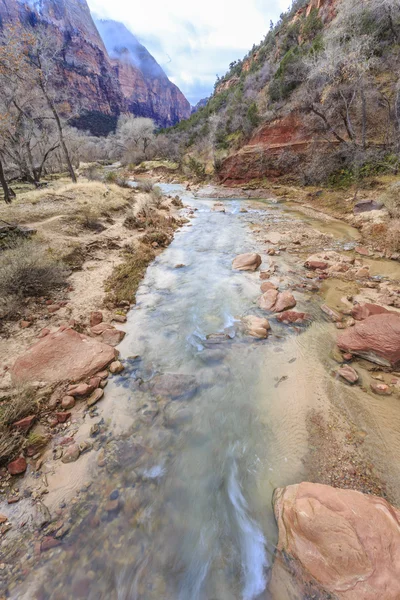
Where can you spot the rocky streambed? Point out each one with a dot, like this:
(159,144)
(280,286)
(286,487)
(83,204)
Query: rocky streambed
(232,387)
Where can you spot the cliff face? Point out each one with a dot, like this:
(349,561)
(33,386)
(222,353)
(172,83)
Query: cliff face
(145,86)
(87,81)
(89,78)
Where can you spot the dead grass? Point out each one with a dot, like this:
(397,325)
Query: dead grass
(125,280)
(27,271)
(68,199)
(21,403)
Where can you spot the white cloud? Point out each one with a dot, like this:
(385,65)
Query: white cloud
(194,40)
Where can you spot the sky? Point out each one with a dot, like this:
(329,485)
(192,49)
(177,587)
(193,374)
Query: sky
(194,40)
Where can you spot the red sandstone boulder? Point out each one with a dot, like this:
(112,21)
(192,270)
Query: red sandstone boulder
(348,373)
(267,285)
(26,423)
(96,318)
(62,356)
(380,388)
(340,543)
(113,337)
(267,301)
(17,466)
(362,311)
(377,339)
(256,326)
(247,262)
(291,317)
(284,301)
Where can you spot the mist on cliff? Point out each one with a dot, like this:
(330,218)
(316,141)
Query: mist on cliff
(122,44)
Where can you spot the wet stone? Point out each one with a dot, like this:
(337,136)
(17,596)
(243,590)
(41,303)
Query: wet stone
(71,454)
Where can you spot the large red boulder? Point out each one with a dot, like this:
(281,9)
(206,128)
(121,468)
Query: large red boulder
(62,356)
(377,339)
(362,311)
(337,543)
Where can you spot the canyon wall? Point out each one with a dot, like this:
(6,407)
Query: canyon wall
(90,81)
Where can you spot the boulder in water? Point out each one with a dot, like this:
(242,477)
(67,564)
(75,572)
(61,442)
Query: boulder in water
(335,543)
(377,339)
(257,327)
(247,262)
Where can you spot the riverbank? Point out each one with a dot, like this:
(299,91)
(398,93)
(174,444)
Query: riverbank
(201,403)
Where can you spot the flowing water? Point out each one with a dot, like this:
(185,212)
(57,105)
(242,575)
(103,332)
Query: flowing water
(201,429)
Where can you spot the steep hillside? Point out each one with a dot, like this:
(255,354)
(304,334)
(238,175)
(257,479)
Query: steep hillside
(92,87)
(145,86)
(317,99)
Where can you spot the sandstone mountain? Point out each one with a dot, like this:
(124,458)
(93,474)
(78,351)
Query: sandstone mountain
(317,100)
(145,87)
(95,87)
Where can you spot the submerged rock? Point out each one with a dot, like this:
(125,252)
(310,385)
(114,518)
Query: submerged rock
(335,543)
(285,301)
(377,339)
(256,326)
(247,262)
(293,317)
(173,385)
(62,356)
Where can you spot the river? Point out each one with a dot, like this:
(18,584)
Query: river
(199,428)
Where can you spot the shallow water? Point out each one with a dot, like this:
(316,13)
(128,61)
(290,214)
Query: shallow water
(201,430)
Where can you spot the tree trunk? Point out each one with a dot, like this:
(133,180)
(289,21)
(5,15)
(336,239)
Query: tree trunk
(9,194)
(60,133)
(364,118)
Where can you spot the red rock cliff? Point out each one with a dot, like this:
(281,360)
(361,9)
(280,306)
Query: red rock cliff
(89,79)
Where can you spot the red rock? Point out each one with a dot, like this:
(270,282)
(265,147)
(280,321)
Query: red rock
(267,285)
(17,466)
(95,318)
(66,441)
(44,332)
(62,356)
(112,505)
(62,417)
(347,356)
(3,519)
(267,301)
(285,301)
(54,308)
(291,316)
(348,373)
(316,264)
(81,390)
(362,250)
(26,423)
(377,339)
(362,273)
(342,543)
(102,374)
(113,337)
(25,324)
(101,328)
(13,499)
(265,275)
(68,402)
(48,543)
(362,311)
(380,388)
(94,382)
(247,262)
(332,313)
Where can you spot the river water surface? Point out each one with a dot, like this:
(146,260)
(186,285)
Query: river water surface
(202,428)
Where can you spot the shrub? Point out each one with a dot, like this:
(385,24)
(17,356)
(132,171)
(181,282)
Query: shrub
(146,186)
(28,270)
